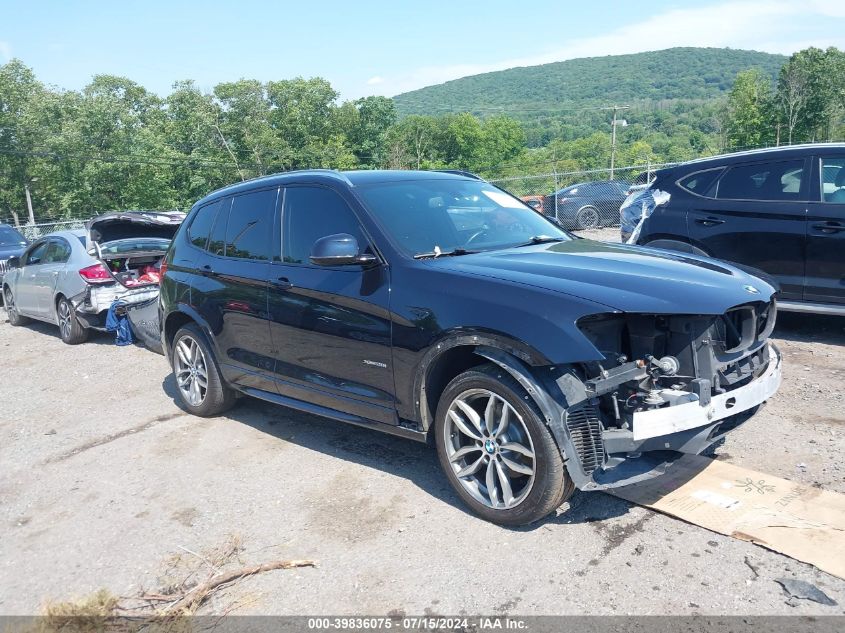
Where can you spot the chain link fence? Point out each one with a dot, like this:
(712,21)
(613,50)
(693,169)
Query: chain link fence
(580,200)
(34,231)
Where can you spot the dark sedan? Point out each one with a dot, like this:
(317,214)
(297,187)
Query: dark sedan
(588,205)
(12,244)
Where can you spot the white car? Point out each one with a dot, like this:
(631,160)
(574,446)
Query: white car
(71,278)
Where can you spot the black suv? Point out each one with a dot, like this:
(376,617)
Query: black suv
(437,307)
(779,210)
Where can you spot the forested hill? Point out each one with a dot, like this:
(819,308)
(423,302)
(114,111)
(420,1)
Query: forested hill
(675,74)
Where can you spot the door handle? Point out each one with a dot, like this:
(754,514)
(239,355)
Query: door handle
(829,227)
(709,221)
(207,270)
(282,283)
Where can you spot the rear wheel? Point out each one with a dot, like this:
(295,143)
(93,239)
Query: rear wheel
(496,450)
(70,329)
(11,310)
(201,387)
(588,218)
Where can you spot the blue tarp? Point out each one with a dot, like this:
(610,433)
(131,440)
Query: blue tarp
(119,324)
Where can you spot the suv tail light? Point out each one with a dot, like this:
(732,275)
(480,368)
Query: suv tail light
(96,274)
(163,267)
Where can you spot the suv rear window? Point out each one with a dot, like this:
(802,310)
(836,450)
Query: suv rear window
(781,180)
(701,182)
(200,227)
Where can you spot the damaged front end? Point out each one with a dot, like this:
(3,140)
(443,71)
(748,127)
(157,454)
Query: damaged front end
(668,384)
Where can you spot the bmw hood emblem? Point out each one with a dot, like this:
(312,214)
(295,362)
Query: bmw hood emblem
(752,290)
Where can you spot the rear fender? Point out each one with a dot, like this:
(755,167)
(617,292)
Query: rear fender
(183,310)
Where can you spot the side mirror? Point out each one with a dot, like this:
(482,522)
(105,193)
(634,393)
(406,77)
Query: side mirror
(339,250)
(14,262)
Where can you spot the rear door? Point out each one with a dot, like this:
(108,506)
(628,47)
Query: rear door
(26,297)
(330,325)
(231,293)
(756,216)
(53,263)
(826,232)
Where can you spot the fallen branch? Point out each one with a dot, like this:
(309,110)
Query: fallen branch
(195,596)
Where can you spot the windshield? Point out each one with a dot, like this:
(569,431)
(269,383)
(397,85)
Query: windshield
(442,216)
(129,245)
(10,237)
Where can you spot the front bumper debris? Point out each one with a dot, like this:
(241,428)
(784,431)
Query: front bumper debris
(686,412)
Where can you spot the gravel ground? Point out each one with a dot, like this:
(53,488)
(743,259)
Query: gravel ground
(103,478)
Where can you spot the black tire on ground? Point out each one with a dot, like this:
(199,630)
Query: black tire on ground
(70,329)
(218,397)
(588,218)
(11,312)
(551,483)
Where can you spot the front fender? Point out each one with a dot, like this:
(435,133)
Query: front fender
(555,391)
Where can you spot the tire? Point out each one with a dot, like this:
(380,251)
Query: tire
(588,218)
(461,436)
(70,329)
(190,351)
(11,312)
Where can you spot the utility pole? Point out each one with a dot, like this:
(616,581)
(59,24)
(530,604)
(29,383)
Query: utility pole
(29,204)
(613,136)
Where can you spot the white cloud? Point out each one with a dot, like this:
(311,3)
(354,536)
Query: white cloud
(5,51)
(374,81)
(745,24)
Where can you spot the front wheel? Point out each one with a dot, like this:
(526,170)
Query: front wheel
(12,313)
(496,450)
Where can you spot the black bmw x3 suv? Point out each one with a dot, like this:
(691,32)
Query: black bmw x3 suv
(437,307)
(779,210)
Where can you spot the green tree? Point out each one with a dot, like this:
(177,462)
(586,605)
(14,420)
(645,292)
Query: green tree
(750,110)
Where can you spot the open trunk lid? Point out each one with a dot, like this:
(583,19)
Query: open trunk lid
(122,225)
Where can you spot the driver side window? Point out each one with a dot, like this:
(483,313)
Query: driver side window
(311,213)
(36,254)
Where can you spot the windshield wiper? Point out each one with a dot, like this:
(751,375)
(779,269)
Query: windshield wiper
(438,253)
(541,239)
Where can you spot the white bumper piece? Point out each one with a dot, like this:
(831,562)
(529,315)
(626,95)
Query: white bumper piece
(684,411)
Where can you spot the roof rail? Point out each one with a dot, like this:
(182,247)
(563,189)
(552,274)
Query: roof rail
(460,172)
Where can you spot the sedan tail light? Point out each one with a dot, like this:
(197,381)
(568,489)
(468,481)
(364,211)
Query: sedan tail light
(96,274)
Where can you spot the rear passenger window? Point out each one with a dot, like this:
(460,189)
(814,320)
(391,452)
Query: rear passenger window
(701,182)
(311,213)
(200,227)
(250,228)
(58,252)
(217,240)
(764,181)
(833,179)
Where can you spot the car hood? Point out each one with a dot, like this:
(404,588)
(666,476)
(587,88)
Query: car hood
(622,277)
(132,224)
(7,251)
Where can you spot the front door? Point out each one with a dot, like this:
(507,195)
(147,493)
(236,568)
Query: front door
(231,294)
(330,326)
(26,297)
(826,234)
(757,218)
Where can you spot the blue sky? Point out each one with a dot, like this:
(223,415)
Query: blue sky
(368,47)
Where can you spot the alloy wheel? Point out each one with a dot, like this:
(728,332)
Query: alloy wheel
(191,371)
(9,300)
(65,317)
(489,449)
(588,218)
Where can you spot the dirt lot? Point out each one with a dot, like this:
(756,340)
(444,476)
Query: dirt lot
(103,478)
